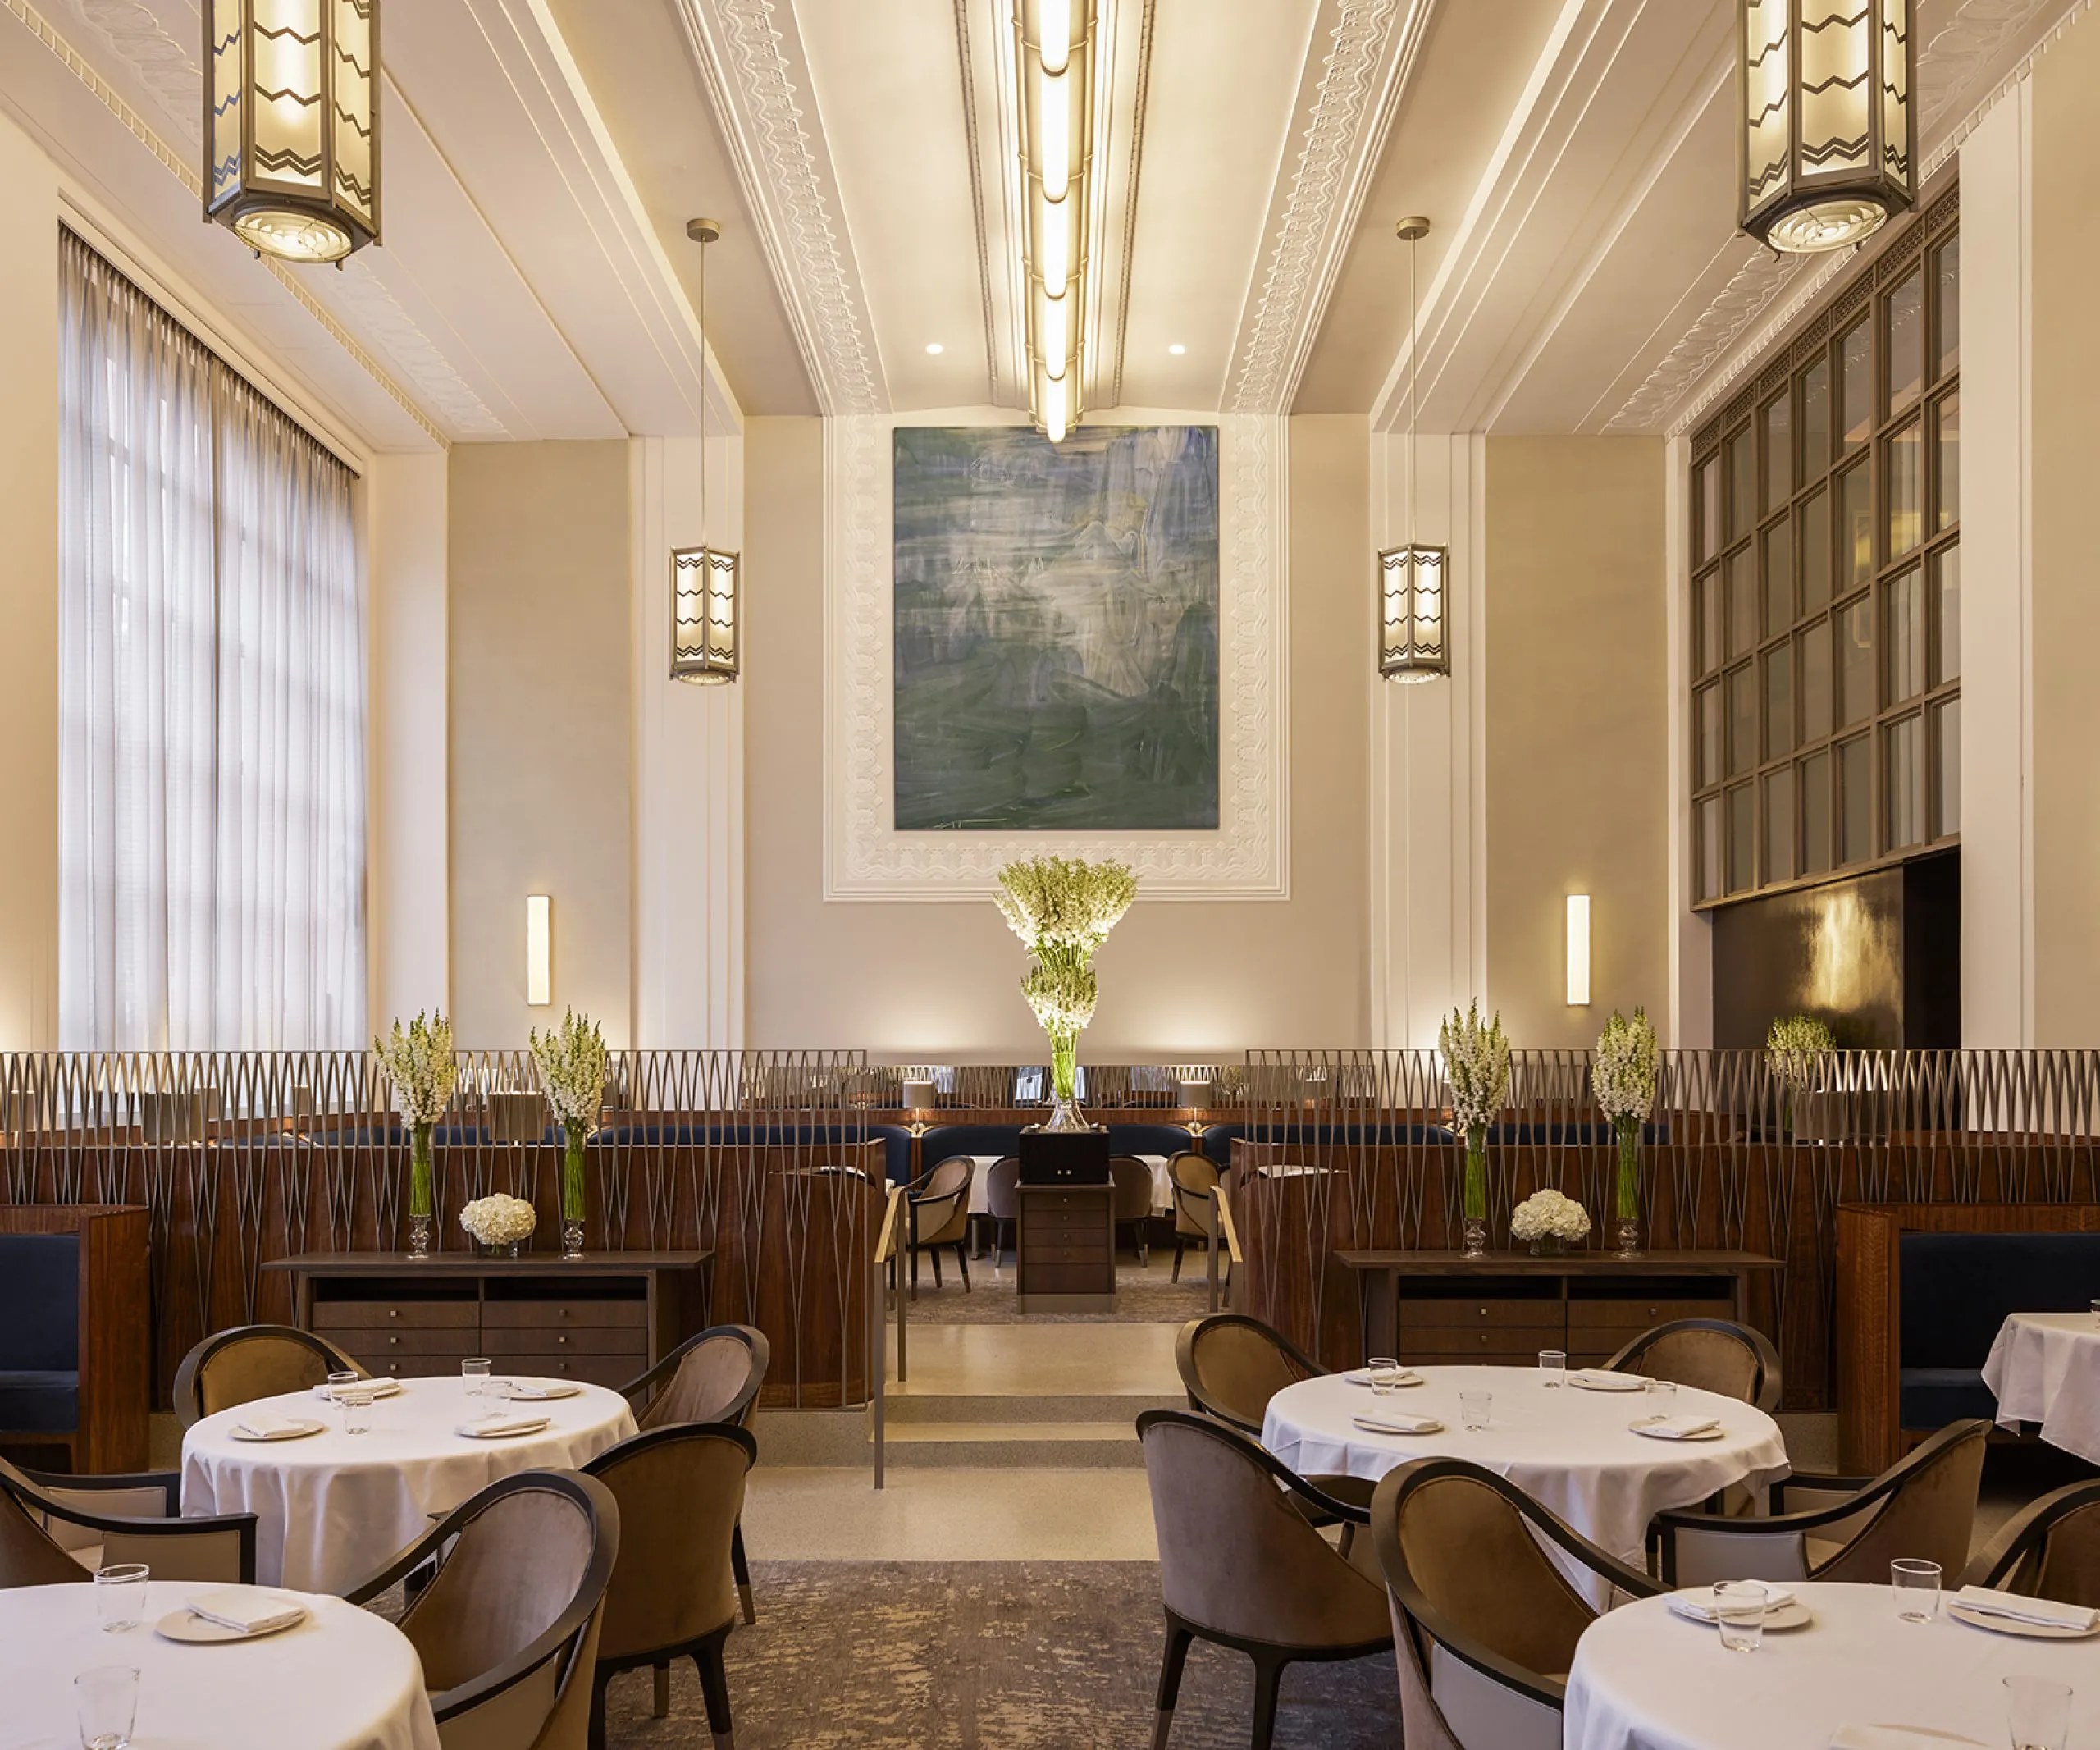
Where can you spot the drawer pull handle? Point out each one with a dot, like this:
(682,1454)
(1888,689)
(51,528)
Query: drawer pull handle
(393,1311)
(394,1340)
(561,1339)
(393,1366)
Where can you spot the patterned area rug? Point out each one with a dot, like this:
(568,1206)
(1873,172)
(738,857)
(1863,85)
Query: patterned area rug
(1005,1656)
(1144,1295)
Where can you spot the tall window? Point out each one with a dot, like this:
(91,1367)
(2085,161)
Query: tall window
(212,799)
(1826,596)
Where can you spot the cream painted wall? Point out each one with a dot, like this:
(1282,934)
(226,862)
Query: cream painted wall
(29,601)
(541,731)
(2064,434)
(1576,769)
(1180,980)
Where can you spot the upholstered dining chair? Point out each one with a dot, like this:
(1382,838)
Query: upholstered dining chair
(56,1528)
(2049,1549)
(507,1626)
(1484,1622)
(939,1206)
(1193,1176)
(715,1376)
(1711,1354)
(1241,1565)
(1133,1181)
(1839,1527)
(248,1362)
(1002,1202)
(680,1489)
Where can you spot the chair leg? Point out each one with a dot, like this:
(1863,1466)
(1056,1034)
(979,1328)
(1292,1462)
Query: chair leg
(740,1565)
(935,1254)
(660,1703)
(962,1263)
(599,1680)
(714,1687)
(1170,1681)
(1180,1246)
(915,1273)
(1268,1678)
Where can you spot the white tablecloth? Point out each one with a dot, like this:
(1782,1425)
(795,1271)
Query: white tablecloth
(332,1507)
(1162,1188)
(1647,1680)
(343,1679)
(2045,1368)
(1569,1449)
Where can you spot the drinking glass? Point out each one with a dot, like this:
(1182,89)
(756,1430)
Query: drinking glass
(2096,1312)
(120,1596)
(1917,1589)
(1664,1393)
(1553,1366)
(106,1699)
(2037,1713)
(1739,1608)
(475,1371)
(357,1410)
(1472,1409)
(1384,1371)
(336,1381)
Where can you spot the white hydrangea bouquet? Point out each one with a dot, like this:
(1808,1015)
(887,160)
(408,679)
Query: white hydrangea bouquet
(1622,1077)
(1548,1220)
(499,1220)
(418,1065)
(572,1062)
(1476,1056)
(1062,910)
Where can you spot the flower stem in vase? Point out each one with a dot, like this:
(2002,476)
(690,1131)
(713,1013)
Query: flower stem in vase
(1474,1192)
(571,1192)
(420,1176)
(1629,1187)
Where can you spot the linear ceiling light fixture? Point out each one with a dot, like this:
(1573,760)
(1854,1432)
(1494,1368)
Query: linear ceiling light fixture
(704,579)
(291,125)
(1412,645)
(1055,62)
(1823,152)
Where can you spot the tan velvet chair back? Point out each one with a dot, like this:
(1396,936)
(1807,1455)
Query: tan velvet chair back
(1003,1189)
(569,1722)
(1235,1557)
(1423,1725)
(29,1555)
(1232,1365)
(1709,1355)
(240,1366)
(943,1206)
(1929,1515)
(128,1520)
(1192,1176)
(680,1491)
(1133,1181)
(713,1383)
(2049,1549)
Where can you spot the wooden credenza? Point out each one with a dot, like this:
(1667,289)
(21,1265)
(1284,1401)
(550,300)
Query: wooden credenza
(603,1319)
(1065,1251)
(1438,1308)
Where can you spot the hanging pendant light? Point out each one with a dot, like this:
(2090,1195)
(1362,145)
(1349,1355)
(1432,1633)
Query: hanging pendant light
(1824,148)
(1412,645)
(704,579)
(291,125)
(1054,61)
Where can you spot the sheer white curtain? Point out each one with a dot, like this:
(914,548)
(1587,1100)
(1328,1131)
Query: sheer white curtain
(211,809)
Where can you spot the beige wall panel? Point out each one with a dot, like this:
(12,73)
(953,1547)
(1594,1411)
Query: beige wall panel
(538,655)
(2066,438)
(1185,979)
(1578,721)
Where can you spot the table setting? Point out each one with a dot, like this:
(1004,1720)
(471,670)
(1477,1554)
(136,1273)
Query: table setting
(133,1661)
(2044,1370)
(341,1477)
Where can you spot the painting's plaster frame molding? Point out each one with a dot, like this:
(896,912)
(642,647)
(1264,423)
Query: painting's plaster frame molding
(1246,857)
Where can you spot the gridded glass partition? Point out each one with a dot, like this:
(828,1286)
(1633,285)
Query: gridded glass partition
(1826,596)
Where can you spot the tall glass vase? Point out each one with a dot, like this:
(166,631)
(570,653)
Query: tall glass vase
(1629,1186)
(420,1185)
(1474,1244)
(571,1190)
(1065,1112)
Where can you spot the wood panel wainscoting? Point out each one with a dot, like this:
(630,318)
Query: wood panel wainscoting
(115,1383)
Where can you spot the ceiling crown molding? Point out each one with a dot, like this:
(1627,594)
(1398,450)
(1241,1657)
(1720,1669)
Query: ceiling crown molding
(759,81)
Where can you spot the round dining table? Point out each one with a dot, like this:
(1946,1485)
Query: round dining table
(1647,1679)
(331,1507)
(342,1679)
(2044,1369)
(1571,1448)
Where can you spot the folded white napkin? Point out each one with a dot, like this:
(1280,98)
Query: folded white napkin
(1896,1738)
(538,1391)
(250,1612)
(1606,1379)
(1405,1377)
(1698,1600)
(260,1424)
(1398,1424)
(1677,1428)
(2045,1612)
(382,1387)
(490,1427)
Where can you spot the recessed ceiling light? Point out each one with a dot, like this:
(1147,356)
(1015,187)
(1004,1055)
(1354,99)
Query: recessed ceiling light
(935,346)
(1177,348)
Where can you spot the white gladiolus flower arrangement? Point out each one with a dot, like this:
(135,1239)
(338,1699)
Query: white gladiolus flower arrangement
(572,1061)
(1622,1075)
(418,1062)
(1062,909)
(1794,1048)
(499,1220)
(1548,1215)
(1476,1066)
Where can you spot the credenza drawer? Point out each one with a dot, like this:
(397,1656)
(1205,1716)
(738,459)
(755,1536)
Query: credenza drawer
(609,1371)
(1523,1341)
(1632,1315)
(1484,1313)
(1095,1203)
(425,1315)
(587,1341)
(365,1340)
(522,1315)
(1065,1254)
(408,1367)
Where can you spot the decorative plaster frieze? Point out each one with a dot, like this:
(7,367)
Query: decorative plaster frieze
(1246,857)
(165,66)
(362,296)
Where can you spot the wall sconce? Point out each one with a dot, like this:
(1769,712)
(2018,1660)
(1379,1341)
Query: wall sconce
(291,125)
(1579,950)
(539,981)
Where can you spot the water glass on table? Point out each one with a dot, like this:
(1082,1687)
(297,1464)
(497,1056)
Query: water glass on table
(1553,1366)
(1917,1589)
(1472,1409)
(106,1699)
(2096,1312)
(2037,1713)
(338,1382)
(357,1408)
(1739,1609)
(1664,1393)
(475,1371)
(1385,1373)
(120,1596)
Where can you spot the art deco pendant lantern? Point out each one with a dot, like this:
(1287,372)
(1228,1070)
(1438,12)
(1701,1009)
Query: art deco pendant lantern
(704,579)
(1412,645)
(291,125)
(1824,147)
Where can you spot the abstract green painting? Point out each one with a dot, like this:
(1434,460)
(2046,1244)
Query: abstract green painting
(1056,647)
